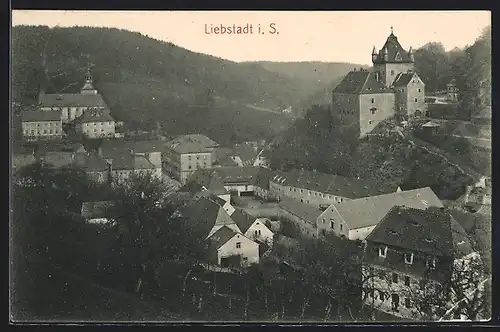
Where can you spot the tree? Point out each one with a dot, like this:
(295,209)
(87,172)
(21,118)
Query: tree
(150,231)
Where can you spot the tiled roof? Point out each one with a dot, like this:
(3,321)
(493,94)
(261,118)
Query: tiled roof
(221,236)
(205,178)
(330,184)
(94,115)
(192,144)
(431,232)
(393,49)
(361,82)
(230,175)
(402,79)
(207,214)
(99,209)
(35,116)
(304,211)
(91,162)
(242,219)
(126,161)
(71,99)
(368,211)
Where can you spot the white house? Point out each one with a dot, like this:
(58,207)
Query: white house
(252,227)
(355,219)
(230,248)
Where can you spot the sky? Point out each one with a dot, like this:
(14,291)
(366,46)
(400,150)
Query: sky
(329,36)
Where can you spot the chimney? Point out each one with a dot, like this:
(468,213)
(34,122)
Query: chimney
(354,69)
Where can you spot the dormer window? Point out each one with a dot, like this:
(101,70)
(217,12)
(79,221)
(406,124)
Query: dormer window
(398,56)
(409,258)
(382,252)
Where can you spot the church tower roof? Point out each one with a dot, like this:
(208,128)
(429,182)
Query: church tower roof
(395,52)
(88,87)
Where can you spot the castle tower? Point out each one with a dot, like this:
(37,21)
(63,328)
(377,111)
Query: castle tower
(88,87)
(391,60)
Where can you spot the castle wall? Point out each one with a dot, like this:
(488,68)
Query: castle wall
(385,108)
(346,109)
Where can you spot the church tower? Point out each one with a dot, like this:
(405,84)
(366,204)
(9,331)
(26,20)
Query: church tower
(391,60)
(88,87)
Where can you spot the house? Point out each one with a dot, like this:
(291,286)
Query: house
(37,125)
(207,180)
(97,212)
(123,165)
(430,128)
(229,248)
(365,98)
(150,149)
(409,92)
(209,215)
(408,254)
(252,227)
(213,190)
(303,215)
(96,168)
(95,123)
(72,105)
(239,180)
(186,154)
(355,219)
(320,189)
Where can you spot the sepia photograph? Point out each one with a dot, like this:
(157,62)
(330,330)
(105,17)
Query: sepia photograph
(274,167)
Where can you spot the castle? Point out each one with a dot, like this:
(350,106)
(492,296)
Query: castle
(390,88)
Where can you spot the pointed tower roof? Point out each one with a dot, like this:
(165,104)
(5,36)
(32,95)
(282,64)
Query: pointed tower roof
(374,52)
(88,86)
(396,53)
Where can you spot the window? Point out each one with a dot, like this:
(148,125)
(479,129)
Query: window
(189,167)
(419,90)
(340,226)
(50,131)
(198,157)
(407,281)
(370,122)
(45,131)
(332,224)
(301,191)
(395,278)
(290,189)
(395,302)
(238,245)
(373,100)
(189,157)
(245,259)
(409,258)
(382,252)
(416,99)
(392,71)
(373,110)
(324,220)
(407,302)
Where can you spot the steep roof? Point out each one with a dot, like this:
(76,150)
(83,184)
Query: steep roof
(243,219)
(304,211)
(402,79)
(221,236)
(71,99)
(394,49)
(194,143)
(361,82)
(330,184)
(205,178)
(431,232)
(94,115)
(207,214)
(35,116)
(369,211)
(228,175)
(99,209)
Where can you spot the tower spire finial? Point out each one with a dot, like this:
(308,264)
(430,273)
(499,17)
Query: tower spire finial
(392,30)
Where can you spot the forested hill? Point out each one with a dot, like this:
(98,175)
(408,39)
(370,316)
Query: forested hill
(145,80)
(320,77)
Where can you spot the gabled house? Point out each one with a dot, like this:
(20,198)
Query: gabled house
(355,219)
(409,92)
(209,215)
(252,227)
(303,215)
(229,248)
(409,253)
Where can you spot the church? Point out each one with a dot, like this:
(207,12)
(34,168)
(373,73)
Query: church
(391,88)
